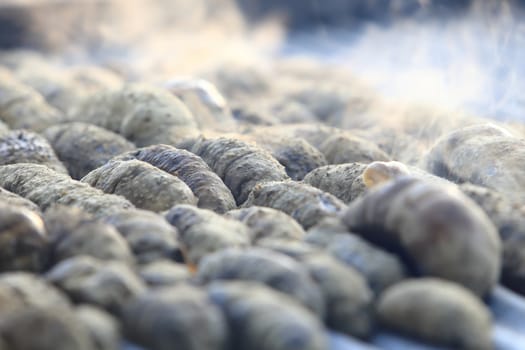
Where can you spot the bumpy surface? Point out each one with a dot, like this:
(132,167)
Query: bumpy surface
(20,146)
(250,310)
(306,204)
(143,114)
(21,107)
(206,185)
(437,229)
(108,285)
(296,155)
(275,270)
(46,187)
(251,313)
(240,165)
(180,315)
(142,184)
(497,152)
(203,232)
(345,181)
(149,235)
(263,200)
(267,222)
(72,232)
(380,268)
(84,147)
(426,307)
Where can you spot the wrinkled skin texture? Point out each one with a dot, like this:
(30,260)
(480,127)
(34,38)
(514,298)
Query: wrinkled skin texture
(46,187)
(380,268)
(21,146)
(267,223)
(21,107)
(72,232)
(438,311)
(211,192)
(143,114)
(436,229)
(240,165)
(508,217)
(144,185)
(348,299)
(264,266)
(347,296)
(85,147)
(13,199)
(108,285)
(306,204)
(203,232)
(296,155)
(498,154)
(253,312)
(344,181)
(344,148)
(149,235)
(180,315)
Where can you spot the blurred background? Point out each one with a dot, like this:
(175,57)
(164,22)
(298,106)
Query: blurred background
(461,54)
